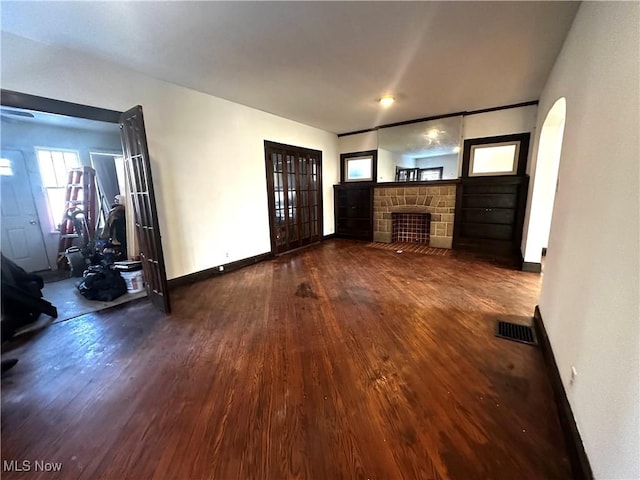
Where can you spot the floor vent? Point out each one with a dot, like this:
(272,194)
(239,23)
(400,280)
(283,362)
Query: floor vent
(516,332)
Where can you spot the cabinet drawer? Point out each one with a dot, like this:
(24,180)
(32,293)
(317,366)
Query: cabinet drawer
(346,224)
(488,231)
(488,215)
(489,201)
(484,188)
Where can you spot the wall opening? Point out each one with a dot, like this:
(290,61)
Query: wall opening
(545,181)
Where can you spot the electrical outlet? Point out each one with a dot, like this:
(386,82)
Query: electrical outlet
(226,254)
(574,374)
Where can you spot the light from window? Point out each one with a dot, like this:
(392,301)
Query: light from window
(427,174)
(359,169)
(5,167)
(54,170)
(494,159)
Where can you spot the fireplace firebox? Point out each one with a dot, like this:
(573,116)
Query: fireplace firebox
(410,227)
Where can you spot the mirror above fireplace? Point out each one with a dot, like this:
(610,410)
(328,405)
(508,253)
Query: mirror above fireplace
(422,151)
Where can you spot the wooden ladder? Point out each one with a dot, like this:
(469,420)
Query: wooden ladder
(80,195)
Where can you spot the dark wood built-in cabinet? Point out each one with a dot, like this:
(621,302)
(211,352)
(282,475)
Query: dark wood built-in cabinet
(354,211)
(490,214)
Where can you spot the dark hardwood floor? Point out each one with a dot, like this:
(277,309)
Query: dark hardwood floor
(339,361)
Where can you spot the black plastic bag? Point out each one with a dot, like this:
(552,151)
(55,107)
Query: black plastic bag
(100,283)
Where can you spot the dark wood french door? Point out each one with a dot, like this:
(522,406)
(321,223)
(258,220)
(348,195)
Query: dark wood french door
(138,168)
(294,184)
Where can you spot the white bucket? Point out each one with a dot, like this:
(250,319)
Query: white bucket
(134,281)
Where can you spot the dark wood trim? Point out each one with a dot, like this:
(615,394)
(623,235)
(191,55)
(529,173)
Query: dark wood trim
(532,267)
(328,237)
(502,107)
(438,117)
(430,183)
(357,132)
(575,447)
(523,152)
(9,98)
(374,166)
(212,272)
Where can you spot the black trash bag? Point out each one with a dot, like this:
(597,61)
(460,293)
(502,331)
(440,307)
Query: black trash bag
(102,283)
(21,300)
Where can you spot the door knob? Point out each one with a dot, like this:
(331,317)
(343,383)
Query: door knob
(33,222)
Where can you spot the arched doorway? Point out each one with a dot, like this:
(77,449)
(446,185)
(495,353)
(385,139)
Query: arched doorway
(545,182)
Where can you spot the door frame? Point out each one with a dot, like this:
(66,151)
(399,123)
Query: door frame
(13,99)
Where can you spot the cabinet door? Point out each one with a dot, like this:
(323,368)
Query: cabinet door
(353,210)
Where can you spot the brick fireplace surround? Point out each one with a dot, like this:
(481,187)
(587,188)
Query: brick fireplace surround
(439,201)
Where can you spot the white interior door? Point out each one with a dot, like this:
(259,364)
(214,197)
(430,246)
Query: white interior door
(22,239)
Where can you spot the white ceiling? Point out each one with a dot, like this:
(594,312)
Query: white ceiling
(321,63)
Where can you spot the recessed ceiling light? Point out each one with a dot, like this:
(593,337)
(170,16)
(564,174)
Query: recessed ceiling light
(387,101)
(433,134)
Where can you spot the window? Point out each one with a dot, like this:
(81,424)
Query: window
(495,156)
(496,159)
(406,174)
(54,170)
(5,167)
(431,173)
(358,166)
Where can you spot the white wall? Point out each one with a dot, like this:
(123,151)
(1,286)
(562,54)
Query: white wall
(24,136)
(386,166)
(448,162)
(207,154)
(589,300)
(500,122)
(360,142)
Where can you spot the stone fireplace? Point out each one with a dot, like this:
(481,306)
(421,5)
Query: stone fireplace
(438,201)
(410,227)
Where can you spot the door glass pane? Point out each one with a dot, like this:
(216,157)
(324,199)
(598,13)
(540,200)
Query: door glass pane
(46,169)
(293,224)
(276,158)
(281,237)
